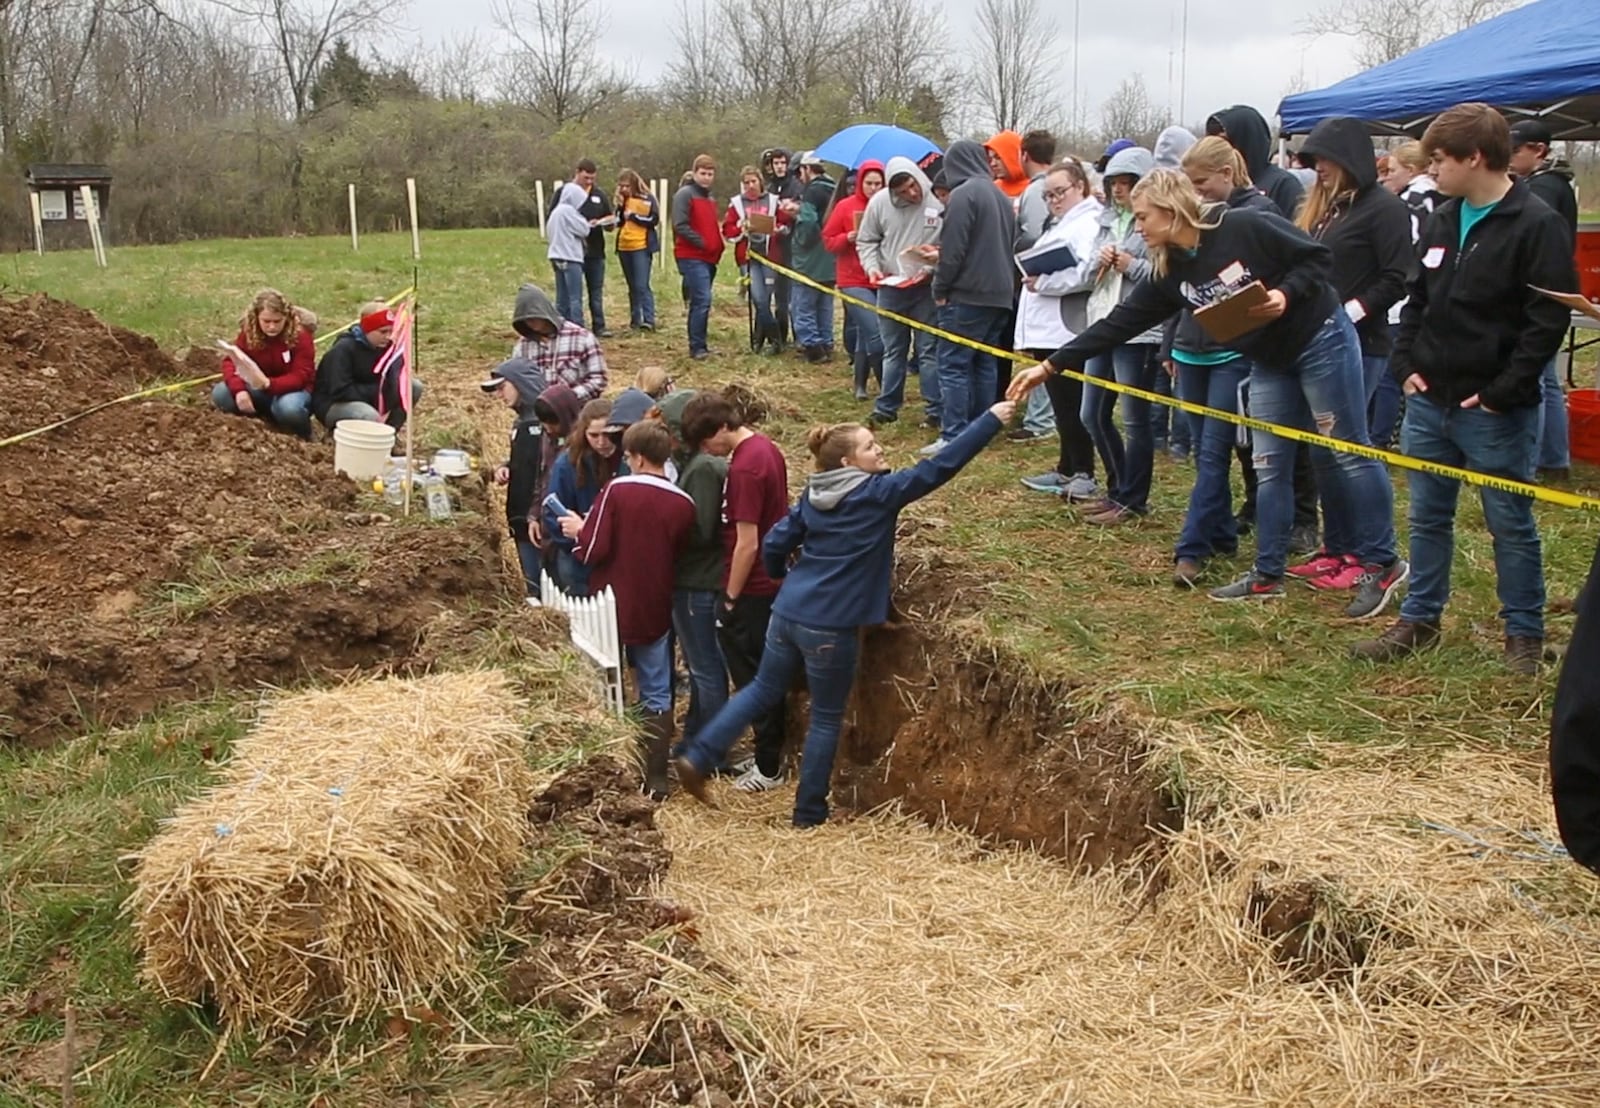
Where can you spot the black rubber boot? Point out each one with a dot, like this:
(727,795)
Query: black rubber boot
(863,368)
(655,746)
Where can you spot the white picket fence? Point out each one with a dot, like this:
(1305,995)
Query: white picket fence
(594,632)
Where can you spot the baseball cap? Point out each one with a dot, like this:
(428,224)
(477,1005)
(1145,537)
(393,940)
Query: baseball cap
(1525,131)
(1112,151)
(809,158)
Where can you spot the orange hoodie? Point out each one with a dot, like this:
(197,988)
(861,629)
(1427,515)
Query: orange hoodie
(1008,146)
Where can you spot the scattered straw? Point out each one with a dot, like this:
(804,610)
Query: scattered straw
(356,844)
(1308,939)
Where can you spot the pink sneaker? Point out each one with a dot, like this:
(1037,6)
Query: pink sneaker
(1316,567)
(1345,576)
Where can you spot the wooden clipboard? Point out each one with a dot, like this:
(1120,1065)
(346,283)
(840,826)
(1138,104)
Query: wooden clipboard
(1227,319)
(760,223)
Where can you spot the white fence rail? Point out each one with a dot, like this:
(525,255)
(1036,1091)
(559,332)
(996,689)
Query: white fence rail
(594,632)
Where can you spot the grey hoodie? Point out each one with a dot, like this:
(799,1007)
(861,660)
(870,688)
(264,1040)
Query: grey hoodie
(890,225)
(566,228)
(1171,145)
(534,303)
(975,261)
(527,379)
(1135,162)
(825,490)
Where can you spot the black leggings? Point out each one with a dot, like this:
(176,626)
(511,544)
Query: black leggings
(1066,401)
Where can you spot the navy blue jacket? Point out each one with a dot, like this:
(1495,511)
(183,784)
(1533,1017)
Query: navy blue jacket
(842,578)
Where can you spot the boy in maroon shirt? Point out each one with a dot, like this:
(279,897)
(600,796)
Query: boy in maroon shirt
(754,499)
(631,541)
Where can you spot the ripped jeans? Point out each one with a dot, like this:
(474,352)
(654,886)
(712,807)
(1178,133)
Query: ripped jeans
(1322,390)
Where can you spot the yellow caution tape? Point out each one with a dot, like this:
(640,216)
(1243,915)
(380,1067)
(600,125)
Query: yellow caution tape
(173,386)
(1484,480)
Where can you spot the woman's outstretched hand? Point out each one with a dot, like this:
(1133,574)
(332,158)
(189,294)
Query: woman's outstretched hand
(1026,381)
(1004,410)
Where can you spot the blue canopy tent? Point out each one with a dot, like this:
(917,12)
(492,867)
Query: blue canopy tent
(1539,60)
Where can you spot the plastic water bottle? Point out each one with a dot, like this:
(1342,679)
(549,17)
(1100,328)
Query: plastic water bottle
(438,495)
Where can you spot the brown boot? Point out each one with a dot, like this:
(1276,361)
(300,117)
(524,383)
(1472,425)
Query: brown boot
(655,744)
(1523,654)
(1402,638)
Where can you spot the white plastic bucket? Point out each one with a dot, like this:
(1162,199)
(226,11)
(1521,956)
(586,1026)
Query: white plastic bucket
(361,448)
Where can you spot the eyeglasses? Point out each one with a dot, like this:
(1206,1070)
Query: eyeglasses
(1057,194)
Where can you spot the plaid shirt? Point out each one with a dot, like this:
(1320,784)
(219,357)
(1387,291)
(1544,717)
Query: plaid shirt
(573,357)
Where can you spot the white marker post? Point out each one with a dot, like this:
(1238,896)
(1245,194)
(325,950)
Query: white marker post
(538,194)
(38,223)
(355,235)
(91,213)
(416,235)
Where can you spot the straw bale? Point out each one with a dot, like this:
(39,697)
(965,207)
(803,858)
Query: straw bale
(1310,940)
(356,843)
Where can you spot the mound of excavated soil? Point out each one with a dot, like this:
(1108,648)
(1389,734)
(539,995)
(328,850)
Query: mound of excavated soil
(158,550)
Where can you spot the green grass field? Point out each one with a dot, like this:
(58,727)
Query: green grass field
(1092,605)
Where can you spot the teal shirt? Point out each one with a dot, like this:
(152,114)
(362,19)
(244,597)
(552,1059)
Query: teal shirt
(1214,357)
(1470,217)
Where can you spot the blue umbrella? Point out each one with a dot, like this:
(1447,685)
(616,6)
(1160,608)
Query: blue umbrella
(873,142)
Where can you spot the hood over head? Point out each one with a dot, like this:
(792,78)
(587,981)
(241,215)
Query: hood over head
(533,303)
(963,161)
(826,489)
(672,406)
(630,406)
(1135,162)
(1347,144)
(898,166)
(573,195)
(1171,145)
(566,404)
(866,167)
(1007,146)
(524,376)
(1248,133)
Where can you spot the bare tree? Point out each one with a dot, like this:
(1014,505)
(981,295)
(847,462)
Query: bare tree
(1128,113)
(302,34)
(698,77)
(1012,69)
(901,48)
(1384,30)
(783,49)
(554,66)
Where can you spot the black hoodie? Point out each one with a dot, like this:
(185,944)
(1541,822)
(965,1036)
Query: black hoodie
(1575,732)
(1473,326)
(1249,134)
(1552,183)
(975,262)
(1244,246)
(1369,232)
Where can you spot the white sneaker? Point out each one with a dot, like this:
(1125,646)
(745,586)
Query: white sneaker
(744,765)
(533,602)
(754,781)
(933,448)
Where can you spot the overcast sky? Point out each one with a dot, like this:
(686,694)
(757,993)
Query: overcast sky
(1238,52)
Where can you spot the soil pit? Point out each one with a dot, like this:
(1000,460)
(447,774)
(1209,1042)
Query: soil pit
(600,941)
(160,550)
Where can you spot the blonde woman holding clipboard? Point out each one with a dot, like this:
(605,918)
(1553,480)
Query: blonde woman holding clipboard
(1260,286)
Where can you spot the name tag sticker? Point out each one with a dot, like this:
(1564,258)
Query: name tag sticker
(1434,257)
(1231,274)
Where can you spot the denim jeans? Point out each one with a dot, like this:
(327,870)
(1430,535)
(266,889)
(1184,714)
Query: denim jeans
(594,275)
(1502,444)
(531,562)
(641,297)
(1336,537)
(289,411)
(1209,527)
(569,290)
(652,673)
(1383,411)
(357,409)
(967,377)
(902,345)
(812,312)
(694,621)
(1322,389)
(828,659)
(1130,462)
(742,635)
(761,290)
(571,574)
(1168,424)
(1555,444)
(698,277)
(868,347)
(1039,417)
